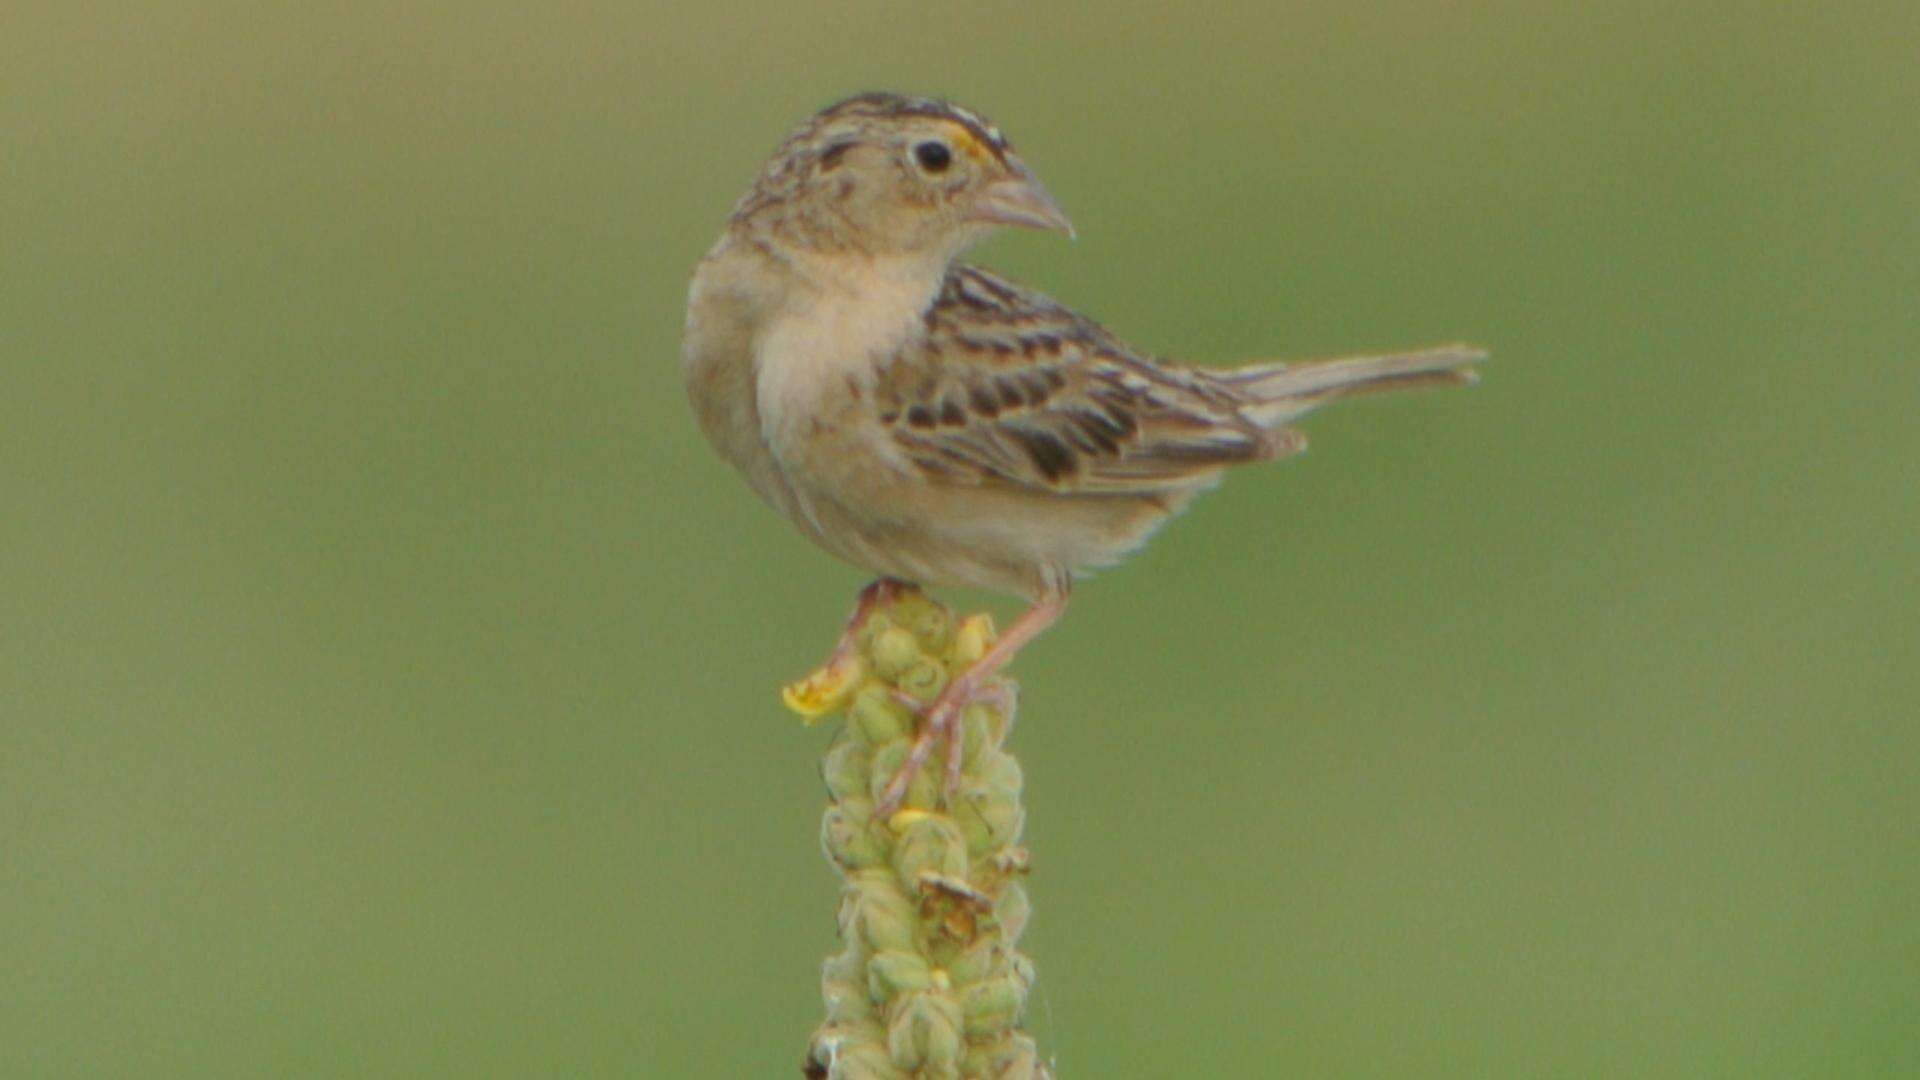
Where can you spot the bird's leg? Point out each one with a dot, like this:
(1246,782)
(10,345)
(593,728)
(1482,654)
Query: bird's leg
(821,691)
(941,720)
(879,591)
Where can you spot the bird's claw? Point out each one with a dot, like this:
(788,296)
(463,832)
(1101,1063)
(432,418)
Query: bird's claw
(939,722)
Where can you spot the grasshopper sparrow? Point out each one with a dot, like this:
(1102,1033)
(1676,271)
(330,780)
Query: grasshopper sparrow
(931,422)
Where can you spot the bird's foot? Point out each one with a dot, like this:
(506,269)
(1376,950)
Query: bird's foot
(940,725)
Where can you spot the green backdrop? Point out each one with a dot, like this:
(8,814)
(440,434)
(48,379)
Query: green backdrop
(388,668)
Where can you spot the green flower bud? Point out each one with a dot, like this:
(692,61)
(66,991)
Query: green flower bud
(974,828)
(923,790)
(923,679)
(977,961)
(925,1036)
(893,650)
(876,717)
(993,1005)
(1000,776)
(846,834)
(877,623)
(881,914)
(845,768)
(990,820)
(932,624)
(886,761)
(895,972)
(976,734)
(928,844)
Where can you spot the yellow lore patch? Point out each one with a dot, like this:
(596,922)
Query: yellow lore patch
(965,141)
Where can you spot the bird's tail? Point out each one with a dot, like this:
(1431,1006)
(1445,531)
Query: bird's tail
(1279,393)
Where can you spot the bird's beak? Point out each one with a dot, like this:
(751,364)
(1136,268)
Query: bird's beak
(1020,200)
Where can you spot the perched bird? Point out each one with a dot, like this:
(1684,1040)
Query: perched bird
(931,422)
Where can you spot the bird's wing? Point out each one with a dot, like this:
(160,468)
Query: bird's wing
(1008,388)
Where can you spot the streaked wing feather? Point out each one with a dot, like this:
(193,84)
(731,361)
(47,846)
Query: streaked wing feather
(1009,388)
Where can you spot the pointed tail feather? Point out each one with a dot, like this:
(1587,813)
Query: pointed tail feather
(1281,392)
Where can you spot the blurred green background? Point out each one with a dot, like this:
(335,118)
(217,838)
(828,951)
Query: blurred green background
(388,666)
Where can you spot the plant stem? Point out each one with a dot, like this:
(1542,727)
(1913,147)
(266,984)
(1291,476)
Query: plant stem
(930,985)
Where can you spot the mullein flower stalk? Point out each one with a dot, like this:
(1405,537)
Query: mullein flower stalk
(929,985)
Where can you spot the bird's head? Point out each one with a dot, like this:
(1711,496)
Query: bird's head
(886,175)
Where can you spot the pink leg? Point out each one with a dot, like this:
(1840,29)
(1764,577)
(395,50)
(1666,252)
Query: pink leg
(941,720)
(878,591)
(999,695)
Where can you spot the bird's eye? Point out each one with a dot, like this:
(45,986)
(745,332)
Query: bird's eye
(933,156)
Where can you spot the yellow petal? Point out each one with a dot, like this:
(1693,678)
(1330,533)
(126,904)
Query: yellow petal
(826,690)
(904,817)
(974,638)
